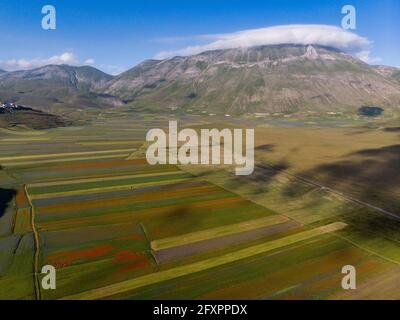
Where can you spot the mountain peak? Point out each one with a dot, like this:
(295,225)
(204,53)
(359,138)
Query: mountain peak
(283,78)
(268,78)
(56,85)
(311,53)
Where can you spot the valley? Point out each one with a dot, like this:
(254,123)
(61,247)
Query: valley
(199,157)
(85,200)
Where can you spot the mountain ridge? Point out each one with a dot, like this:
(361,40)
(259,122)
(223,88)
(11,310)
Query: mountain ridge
(282,78)
(279,78)
(55,86)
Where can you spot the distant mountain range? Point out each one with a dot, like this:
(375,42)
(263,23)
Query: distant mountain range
(270,79)
(55,87)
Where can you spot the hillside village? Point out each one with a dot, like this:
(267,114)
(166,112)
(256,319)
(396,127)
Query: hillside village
(8,107)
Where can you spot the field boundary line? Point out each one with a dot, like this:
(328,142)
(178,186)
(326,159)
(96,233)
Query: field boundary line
(149,242)
(36,250)
(181,271)
(367,249)
(332,191)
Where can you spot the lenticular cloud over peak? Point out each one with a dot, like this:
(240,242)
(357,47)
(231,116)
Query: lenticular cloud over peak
(323,35)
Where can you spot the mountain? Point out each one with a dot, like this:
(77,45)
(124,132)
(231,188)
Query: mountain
(56,87)
(269,79)
(279,78)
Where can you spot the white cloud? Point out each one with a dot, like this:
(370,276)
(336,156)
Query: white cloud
(90,61)
(324,35)
(24,64)
(366,57)
(68,58)
(111,69)
(173,40)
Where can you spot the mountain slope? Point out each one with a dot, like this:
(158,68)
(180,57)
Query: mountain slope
(273,79)
(56,86)
(283,78)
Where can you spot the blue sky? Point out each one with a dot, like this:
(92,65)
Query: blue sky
(116,35)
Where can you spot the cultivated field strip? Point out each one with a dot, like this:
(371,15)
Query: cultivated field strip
(217,232)
(62,155)
(156,214)
(99,179)
(105,143)
(171,194)
(86,169)
(108,195)
(107,185)
(107,189)
(77,159)
(204,265)
(231,242)
(23,140)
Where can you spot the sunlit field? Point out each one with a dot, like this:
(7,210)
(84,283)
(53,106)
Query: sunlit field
(85,200)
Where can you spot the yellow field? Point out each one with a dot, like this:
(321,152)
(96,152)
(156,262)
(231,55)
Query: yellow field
(317,145)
